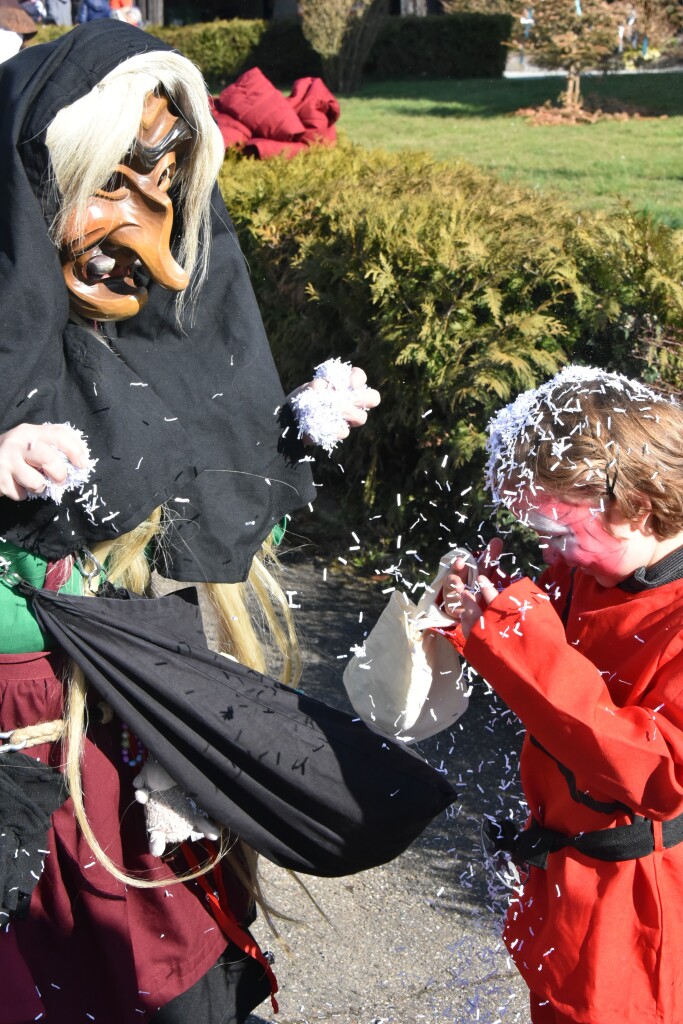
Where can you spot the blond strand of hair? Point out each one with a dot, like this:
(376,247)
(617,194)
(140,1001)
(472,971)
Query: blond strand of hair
(129,567)
(261,599)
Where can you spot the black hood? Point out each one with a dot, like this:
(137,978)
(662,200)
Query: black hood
(177,414)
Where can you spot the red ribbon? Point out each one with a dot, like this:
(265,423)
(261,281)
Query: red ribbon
(228,922)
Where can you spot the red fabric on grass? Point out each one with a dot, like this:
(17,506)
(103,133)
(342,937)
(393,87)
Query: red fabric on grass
(252,114)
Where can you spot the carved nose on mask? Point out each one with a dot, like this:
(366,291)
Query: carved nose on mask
(155,253)
(147,233)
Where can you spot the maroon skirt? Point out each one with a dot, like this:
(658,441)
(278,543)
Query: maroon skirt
(92,948)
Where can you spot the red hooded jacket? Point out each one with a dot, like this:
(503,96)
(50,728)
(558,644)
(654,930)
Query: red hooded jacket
(603,698)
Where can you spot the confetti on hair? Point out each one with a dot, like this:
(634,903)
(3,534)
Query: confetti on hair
(76,477)
(561,394)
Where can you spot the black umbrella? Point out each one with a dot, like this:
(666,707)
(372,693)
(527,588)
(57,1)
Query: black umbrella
(306,785)
(30,792)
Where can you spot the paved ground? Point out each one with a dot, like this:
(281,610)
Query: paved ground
(519,66)
(415,941)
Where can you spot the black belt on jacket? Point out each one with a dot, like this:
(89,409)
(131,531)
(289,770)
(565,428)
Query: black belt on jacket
(624,842)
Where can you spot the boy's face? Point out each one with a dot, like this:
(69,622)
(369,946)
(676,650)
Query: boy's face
(604,544)
(127,224)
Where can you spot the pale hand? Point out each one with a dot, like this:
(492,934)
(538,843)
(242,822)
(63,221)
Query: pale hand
(355,410)
(28,451)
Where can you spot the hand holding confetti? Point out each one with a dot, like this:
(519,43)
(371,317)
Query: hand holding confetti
(43,460)
(336,400)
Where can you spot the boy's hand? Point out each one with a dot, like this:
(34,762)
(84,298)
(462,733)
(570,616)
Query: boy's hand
(473,604)
(455,584)
(29,450)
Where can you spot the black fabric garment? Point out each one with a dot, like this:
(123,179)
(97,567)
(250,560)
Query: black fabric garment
(306,785)
(183,415)
(225,995)
(533,845)
(30,792)
(666,570)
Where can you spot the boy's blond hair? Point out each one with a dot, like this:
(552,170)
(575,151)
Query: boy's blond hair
(588,435)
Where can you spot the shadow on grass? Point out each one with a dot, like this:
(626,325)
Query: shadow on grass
(450,112)
(461,98)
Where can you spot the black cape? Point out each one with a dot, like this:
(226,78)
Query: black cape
(182,416)
(310,787)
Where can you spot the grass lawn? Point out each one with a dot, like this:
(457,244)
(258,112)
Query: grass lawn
(641,161)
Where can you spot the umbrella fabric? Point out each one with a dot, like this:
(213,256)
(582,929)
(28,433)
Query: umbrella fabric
(29,793)
(308,786)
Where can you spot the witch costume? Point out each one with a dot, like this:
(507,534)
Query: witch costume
(202,437)
(207,440)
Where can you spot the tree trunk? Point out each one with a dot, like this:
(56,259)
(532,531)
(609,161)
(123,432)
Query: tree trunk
(152,11)
(571,97)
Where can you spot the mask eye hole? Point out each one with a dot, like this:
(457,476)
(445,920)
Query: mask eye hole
(166,178)
(116,183)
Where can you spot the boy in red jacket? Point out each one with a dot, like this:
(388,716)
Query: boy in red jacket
(591,659)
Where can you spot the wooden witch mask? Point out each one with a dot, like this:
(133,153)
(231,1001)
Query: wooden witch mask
(125,234)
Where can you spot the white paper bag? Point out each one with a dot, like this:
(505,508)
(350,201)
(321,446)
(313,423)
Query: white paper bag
(408,683)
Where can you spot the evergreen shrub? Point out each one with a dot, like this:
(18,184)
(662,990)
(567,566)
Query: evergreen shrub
(455,46)
(454,291)
(220,49)
(223,50)
(46,33)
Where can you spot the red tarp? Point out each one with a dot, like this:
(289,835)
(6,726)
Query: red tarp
(253,115)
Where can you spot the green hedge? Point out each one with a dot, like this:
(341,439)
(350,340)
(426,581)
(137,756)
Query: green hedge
(451,46)
(223,50)
(454,291)
(458,45)
(220,49)
(46,33)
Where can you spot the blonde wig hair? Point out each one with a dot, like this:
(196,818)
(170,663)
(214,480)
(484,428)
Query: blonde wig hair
(588,435)
(104,125)
(245,612)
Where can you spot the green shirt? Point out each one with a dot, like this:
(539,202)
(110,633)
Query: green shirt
(19,629)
